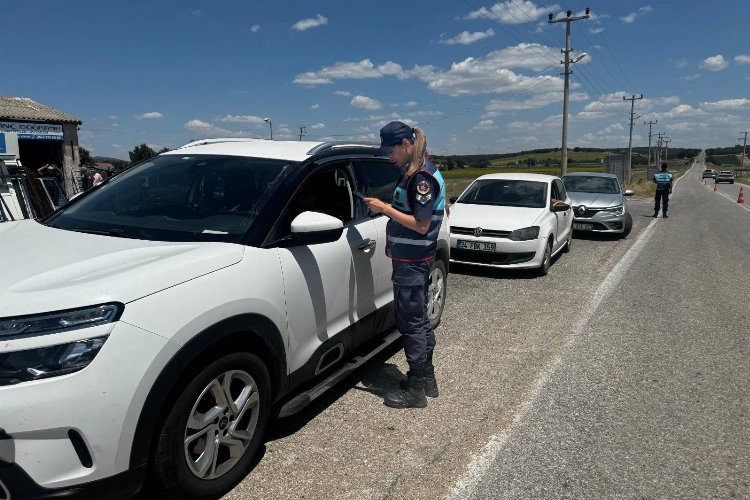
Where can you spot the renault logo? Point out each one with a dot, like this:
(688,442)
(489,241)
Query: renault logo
(581,210)
(477,232)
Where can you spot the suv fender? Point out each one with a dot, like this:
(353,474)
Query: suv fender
(253,332)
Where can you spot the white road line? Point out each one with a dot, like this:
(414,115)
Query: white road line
(477,469)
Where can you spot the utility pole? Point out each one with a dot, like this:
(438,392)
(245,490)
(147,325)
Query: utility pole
(630,144)
(666,149)
(659,138)
(302,131)
(742,162)
(649,123)
(567,20)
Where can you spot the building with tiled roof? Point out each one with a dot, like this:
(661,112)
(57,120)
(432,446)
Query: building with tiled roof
(35,135)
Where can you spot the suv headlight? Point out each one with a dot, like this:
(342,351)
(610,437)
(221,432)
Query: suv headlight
(44,324)
(61,359)
(618,210)
(45,362)
(527,233)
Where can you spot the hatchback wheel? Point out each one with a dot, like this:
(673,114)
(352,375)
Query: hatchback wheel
(213,430)
(546,260)
(437,287)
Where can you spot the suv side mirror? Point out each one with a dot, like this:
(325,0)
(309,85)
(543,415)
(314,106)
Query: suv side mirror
(560,207)
(313,228)
(628,192)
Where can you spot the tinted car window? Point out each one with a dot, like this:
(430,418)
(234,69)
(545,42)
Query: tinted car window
(377,179)
(177,198)
(591,184)
(505,192)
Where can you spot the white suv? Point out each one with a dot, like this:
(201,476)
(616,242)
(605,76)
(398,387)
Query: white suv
(150,328)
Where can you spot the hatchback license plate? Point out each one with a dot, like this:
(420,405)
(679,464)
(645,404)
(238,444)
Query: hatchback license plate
(476,245)
(583,227)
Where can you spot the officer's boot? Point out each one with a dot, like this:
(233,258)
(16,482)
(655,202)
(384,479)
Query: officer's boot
(430,383)
(656,213)
(412,396)
(665,215)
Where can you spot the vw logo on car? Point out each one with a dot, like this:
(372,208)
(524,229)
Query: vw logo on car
(477,232)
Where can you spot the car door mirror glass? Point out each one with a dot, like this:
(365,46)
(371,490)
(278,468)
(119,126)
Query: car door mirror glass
(629,192)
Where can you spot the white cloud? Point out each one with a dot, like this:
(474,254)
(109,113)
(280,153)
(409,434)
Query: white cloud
(360,101)
(613,104)
(113,117)
(153,115)
(306,24)
(693,77)
(552,122)
(209,130)
(714,63)
(410,104)
(630,18)
(349,70)
(538,101)
(742,59)
(596,30)
(343,93)
(257,120)
(195,12)
(484,125)
(317,126)
(255,28)
(315,106)
(115,124)
(466,38)
(726,105)
(513,12)
(680,63)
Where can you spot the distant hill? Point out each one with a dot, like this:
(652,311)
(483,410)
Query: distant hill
(106,159)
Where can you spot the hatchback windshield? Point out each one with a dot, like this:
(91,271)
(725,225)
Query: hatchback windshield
(506,192)
(591,184)
(177,198)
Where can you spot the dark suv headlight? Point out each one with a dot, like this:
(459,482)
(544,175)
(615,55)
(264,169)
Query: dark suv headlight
(54,360)
(61,321)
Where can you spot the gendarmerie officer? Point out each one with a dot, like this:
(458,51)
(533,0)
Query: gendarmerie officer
(415,214)
(663,182)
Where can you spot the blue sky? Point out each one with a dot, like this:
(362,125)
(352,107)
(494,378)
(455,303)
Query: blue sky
(479,77)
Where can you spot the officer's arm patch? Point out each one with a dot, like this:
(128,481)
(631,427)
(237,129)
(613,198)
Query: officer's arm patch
(424,191)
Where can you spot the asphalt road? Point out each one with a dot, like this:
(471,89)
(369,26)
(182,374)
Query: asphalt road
(571,384)
(650,399)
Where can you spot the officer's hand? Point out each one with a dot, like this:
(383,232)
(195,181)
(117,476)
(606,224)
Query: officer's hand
(375,205)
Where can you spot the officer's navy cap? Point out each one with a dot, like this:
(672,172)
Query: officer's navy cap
(392,135)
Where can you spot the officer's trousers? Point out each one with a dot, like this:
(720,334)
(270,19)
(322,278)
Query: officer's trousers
(663,198)
(410,287)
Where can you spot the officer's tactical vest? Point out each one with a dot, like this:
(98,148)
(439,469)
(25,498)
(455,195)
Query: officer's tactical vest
(402,243)
(663,180)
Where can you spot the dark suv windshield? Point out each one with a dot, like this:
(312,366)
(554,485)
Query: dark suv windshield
(506,192)
(177,198)
(591,184)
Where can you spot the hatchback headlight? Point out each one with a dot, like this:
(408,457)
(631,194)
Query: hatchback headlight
(618,210)
(527,233)
(44,324)
(45,362)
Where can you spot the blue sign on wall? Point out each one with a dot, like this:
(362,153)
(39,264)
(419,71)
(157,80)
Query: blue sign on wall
(2,143)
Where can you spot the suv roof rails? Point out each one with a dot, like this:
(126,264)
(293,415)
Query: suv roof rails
(338,144)
(202,142)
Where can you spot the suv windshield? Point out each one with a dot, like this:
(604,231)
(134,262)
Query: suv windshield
(506,192)
(177,198)
(591,184)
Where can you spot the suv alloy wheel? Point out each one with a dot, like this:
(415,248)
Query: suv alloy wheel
(213,430)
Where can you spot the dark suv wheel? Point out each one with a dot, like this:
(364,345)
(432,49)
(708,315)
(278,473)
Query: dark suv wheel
(213,430)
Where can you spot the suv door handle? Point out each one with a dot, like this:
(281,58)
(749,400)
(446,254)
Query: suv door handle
(366,244)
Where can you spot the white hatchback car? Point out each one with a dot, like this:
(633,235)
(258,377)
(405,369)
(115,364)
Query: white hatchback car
(151,328)
(515,221)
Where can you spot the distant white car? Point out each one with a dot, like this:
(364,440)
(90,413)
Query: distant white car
(511,221)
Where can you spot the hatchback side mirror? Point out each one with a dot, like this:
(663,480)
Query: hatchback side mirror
(560,207)
(628,192)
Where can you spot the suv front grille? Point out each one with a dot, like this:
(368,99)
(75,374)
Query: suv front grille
(490,233)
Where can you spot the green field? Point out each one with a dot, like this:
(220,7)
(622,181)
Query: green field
(585,157)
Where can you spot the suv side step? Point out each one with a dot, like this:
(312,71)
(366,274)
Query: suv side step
(298,402)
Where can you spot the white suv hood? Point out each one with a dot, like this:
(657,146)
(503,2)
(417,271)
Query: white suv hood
(494,217)
(45,269)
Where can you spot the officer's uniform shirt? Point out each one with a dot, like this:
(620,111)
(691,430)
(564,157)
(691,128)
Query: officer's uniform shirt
(663,180)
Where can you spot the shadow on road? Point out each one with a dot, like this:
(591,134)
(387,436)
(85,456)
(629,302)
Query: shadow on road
(495,273)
